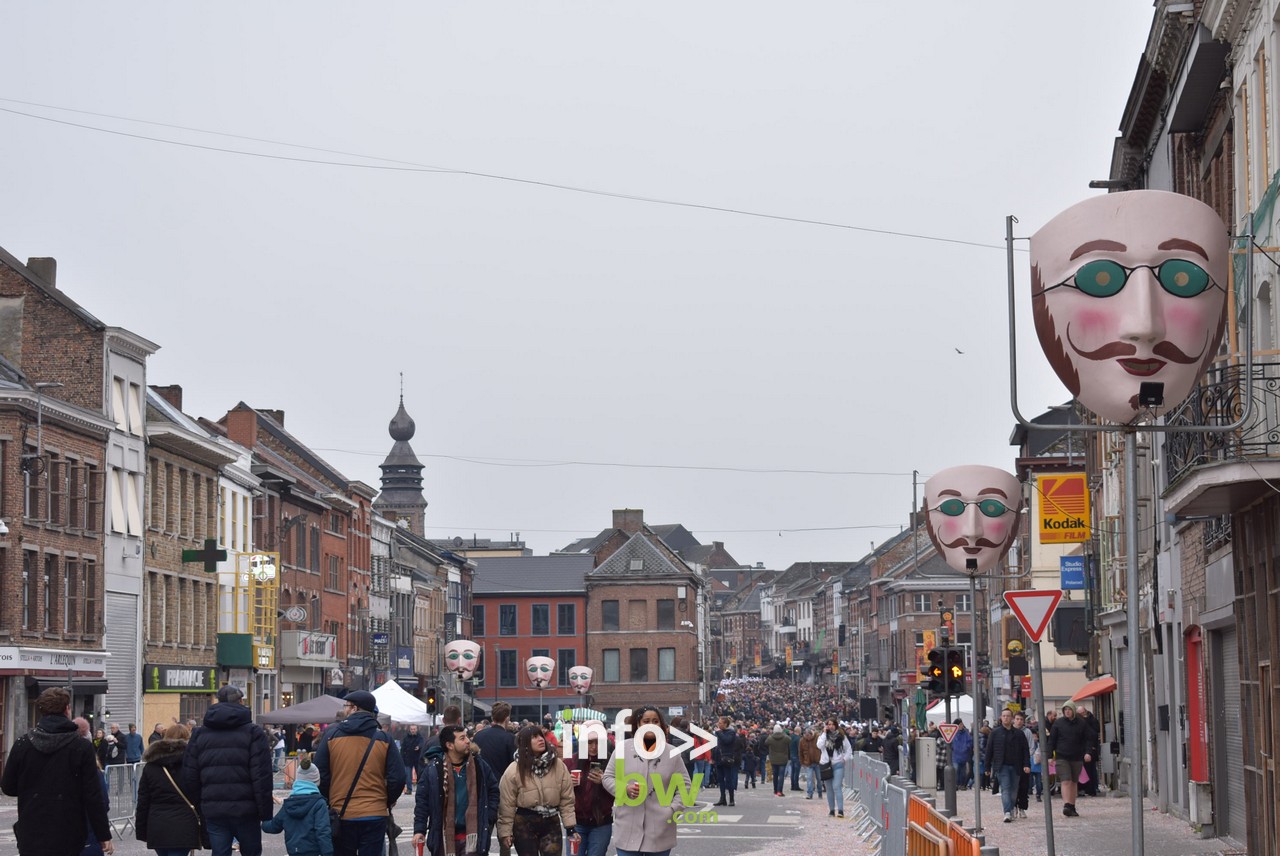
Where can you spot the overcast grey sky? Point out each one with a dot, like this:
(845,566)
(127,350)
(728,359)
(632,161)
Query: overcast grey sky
(536,325)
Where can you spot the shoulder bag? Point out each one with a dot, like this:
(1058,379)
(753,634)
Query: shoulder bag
(335,815)
(200,830)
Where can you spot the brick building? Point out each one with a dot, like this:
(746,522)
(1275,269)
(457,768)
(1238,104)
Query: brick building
(87,375)
(530,606)
(645,613)
(180,600)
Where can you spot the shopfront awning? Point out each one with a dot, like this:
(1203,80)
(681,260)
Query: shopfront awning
(81,686)
(1101,686)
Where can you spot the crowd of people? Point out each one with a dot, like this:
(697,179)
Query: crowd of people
(500,782)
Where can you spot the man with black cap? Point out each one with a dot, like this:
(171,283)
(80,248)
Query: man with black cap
(226,771)
(362,776)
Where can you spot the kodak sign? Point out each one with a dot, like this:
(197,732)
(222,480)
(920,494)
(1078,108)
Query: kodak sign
(1064,508)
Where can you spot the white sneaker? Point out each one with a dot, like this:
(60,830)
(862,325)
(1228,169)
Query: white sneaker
(1008,818)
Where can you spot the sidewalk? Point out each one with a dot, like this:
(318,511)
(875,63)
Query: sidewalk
(1102,829)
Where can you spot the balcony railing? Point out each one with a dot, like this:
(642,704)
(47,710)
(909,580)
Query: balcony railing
(1219,400)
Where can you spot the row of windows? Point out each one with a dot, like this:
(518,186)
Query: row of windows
(68,493)
(180,611)
(59,594)
(182,500)
(539,619)
(638,665)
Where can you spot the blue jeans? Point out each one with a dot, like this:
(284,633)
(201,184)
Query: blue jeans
(362,838)
(835,788)
(779,779)
(622,852)
(408,777)
(243,829)
(794,763)
(815,779)
(595,839)
(1008,776)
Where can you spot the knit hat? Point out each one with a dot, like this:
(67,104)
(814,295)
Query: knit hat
(777,728)
(363,700)
(307,770)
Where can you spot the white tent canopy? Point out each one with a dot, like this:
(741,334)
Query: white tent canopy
(395,702)
(961,708)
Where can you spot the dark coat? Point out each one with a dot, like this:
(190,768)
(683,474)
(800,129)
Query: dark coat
(497,747)
(53,773)
(227,768)
(727,751)
(111,752)
(1006,746)
(411,750)
(304,819)
(1071,738)
(429,803)
(162,818)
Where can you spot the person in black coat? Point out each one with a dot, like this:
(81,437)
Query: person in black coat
(411,755)
(163,818)
(54,774)
(226,773)
(1008,757)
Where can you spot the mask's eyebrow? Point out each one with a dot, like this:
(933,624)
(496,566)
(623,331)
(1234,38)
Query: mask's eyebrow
(1100,244)
(1183,244)
(987,490)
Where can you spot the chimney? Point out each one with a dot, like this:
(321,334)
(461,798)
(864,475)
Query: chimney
(171,393)
(45,268)
(242,427)
(629,520)
(277,415)
(718,546)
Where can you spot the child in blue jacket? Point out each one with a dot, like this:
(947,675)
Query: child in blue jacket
(304,816)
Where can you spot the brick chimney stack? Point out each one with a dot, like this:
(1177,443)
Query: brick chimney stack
(45,268)
(171,394)
(629,520)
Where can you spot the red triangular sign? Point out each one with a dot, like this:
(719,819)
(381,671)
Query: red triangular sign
(948,730)
(1033,608)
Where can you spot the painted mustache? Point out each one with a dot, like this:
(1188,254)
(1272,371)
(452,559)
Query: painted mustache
(965,542)
(1166,350)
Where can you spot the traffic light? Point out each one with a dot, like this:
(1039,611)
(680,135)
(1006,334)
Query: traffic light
(932,673)
(431,700)
(955,672)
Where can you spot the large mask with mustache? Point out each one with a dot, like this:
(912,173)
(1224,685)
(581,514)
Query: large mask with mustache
(972,513)
(1130,288)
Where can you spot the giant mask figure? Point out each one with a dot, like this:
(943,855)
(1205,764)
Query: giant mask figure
(972,513)
(1130,288)
(462,657)
(541,670)
(580,679)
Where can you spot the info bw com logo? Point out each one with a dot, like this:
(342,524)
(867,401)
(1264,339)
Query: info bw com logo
(650,743)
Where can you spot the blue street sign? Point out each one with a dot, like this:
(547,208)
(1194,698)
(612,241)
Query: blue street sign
(1072,570)
(381,638)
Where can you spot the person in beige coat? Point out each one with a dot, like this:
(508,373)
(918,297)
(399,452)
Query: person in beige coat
(646,829)
(537,798)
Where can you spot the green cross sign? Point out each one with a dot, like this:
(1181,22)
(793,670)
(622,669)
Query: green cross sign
(210,555)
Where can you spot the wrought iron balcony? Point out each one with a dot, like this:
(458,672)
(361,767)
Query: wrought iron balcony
(1219,400)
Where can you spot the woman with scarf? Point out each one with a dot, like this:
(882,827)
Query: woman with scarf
(536,798)
(643,826)
(836,750)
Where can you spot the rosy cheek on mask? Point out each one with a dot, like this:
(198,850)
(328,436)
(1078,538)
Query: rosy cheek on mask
(1090,323)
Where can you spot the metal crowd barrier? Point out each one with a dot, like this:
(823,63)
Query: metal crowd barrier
(122,792)
(866,778)
(896,792)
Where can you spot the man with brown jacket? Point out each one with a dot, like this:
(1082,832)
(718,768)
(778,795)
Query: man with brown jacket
(361,775)
(811,762)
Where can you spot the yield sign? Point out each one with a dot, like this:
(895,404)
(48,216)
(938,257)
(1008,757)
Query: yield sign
(1033,608)
(948,730)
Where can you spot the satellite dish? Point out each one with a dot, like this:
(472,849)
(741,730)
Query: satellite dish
(457,541)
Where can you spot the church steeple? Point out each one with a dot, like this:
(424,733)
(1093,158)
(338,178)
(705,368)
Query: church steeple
(401,497)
